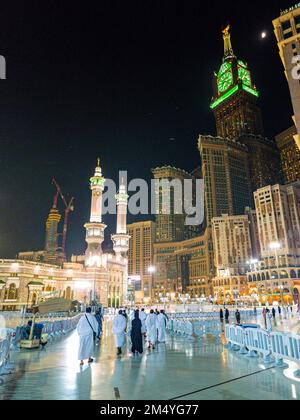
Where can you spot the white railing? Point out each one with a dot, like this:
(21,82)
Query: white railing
(274,347)
(52,328)
(194,328)
(245,314)
(5,348)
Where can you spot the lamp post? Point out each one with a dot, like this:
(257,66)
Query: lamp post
(151,271)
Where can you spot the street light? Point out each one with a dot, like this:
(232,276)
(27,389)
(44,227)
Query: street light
(274,245)
(151,270)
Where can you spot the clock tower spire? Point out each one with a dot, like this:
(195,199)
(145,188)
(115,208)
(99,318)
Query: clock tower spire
(228,50)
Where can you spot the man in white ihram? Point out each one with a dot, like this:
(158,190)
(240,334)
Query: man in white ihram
(151,328)
(2,328)
(87,327)
(143,318)
(119,328)
(161,326)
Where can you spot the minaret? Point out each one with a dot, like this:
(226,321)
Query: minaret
(95,228)
(121,239)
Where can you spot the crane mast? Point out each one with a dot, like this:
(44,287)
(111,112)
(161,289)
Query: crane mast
(69,207)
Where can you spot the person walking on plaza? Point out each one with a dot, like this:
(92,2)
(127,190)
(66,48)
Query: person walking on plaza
(274,313)
(99,319)
(136,334)
(119,328)
(238,317)
(269,321)
(161,326)
(264,315)
(151,329)
(227,316)
(279,311)
(143,318)
(87,327)
(221,315)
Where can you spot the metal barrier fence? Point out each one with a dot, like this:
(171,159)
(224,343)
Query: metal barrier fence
(5,349)
(274,347)
(52,328)
(245,314)
(194,328)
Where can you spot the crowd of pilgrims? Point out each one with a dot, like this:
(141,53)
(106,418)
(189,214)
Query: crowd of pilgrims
(139,326)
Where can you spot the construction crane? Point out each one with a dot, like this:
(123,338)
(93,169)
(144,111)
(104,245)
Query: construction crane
(69,207)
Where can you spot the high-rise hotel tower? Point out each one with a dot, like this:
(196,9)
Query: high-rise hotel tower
(287,31)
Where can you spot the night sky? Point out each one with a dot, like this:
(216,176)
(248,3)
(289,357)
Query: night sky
(129,81)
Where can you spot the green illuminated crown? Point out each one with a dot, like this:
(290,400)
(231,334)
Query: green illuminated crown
(97,179)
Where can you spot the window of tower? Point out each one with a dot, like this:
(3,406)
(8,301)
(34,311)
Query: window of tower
(286,25)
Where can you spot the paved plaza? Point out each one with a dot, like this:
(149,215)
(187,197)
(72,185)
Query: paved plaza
(181,369)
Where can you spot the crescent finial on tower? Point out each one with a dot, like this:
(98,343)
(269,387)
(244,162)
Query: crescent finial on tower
(228,50)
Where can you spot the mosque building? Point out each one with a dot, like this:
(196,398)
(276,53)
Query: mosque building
(94,277)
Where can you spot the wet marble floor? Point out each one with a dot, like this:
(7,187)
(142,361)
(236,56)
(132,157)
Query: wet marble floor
(181,369)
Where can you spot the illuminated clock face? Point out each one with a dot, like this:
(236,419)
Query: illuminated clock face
(245,77)
(225,81)
(224,68)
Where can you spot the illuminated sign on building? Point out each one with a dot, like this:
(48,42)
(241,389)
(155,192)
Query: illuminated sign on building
(291,9)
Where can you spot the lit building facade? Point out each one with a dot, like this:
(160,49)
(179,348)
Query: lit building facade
(92,277)
(184,268)
(140,256)
(226,176)
(170,224)
(232,250)
(289,155)
(287,31)
(276,275)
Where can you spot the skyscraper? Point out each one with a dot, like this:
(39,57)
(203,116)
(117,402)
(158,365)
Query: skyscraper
(278,216)
(170,224)
(226,176)
(52,253)
(232,243)
(232,249)
(289,155)
(140,254)
(238,116)
(287,31)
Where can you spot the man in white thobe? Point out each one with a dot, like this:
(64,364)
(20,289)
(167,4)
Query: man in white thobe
(87,327)
(161,326)
(119,328)
(143,318)
(151,329)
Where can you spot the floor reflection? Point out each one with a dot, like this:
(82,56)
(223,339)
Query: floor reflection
(202,367)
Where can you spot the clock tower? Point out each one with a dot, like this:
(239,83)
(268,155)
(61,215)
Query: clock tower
(235,96)
(239,118)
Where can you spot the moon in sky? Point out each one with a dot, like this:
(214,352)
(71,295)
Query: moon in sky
(263,35)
